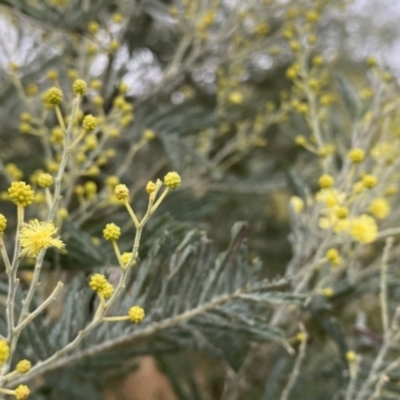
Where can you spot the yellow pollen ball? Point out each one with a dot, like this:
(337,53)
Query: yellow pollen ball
(121,192)
(326,181)
(23,366)
(79,87)
(53,96)
(111,232)
(342,212)
(89,123)
(136,314)
(21,194)
(172,180)
(332,255)
(351,356)
(108,290)
(98,282)
(380,208)
(22,392)
(45,180)
(327,292)
(150,187)
(300,140)
(356,155)
(4,352)
(3,223)
(125,257)
(236,98)
(369,181)
(297,204)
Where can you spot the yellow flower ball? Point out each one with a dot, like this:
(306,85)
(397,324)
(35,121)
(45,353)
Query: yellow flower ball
(98,101)
(21,194)
(98,282)
(111,232)
(96,84)
(14,171)
(108,290)
(93,27)
(125,257)
(327,292)
(150,187)
(326,181)
(62,213)
(356,156)
(172,180)
(114,133)
(121,192)
(22,392)
(114,45)
(79,87)
(4,352)
(89,123)
(52,75)
(90,188)
(300,140)
(380,208)
(236,98)
(57,135)
(23,366)
(91,142)
(25,127)
(112,181)
(364,229)
(53,96)
(31,90)
(45,180)
(3,223)
(72,73)
(149,134)
(333,256)
(317,60)
(312,16)
(371,61)
(351,356)
(297,204)
(26,117)
(369,181)
(342,212)
(136,314)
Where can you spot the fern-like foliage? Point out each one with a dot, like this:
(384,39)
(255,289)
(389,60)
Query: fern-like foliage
(193,300)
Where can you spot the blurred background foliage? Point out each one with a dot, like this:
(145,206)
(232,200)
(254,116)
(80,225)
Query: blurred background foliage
(209,80)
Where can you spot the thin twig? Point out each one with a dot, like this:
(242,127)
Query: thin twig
(383,285)
(296,370)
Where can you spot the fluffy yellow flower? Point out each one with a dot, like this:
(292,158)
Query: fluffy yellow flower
(38,235)
(342,225)
(333,256)
(331,221)
(22,392)
(380,208)
(331,197)
(297,204)
(364,229)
